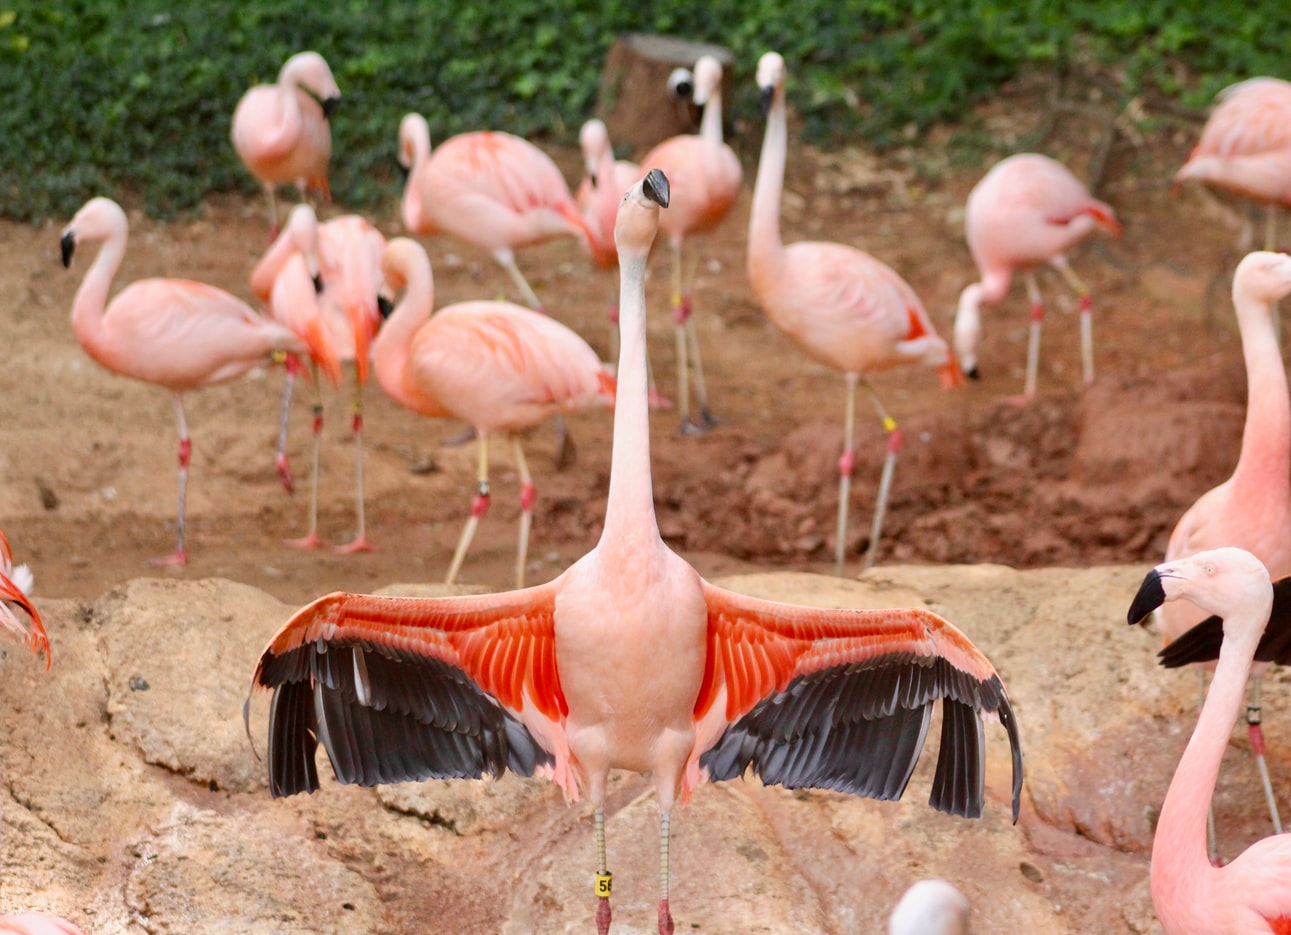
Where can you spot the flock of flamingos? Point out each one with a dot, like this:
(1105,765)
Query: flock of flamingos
(542,680)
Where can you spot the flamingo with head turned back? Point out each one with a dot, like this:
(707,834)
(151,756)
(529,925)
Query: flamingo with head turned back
(15,586)
(930,907)
(323,281)
(841,306)
(36,923)
(705,176)
(174,333)
(1026,211)
(499,367)
(1191,895)
(280,130)
(629,660)
(1252,509)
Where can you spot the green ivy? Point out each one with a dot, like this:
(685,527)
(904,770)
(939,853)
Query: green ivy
(115,97)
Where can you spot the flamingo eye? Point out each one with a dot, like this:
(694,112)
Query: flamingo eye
(1208,568)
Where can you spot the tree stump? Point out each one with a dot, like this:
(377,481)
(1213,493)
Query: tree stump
(634,101)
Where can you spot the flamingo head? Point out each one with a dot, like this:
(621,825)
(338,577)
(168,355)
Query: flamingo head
(708,79)
(1230,582)
(414,140)
(1263,276)
(638,218)
(968,329)
(594,141)
(98,219)
(310,71)
(770,77)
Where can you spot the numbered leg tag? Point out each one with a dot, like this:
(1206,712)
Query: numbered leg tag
(604,883)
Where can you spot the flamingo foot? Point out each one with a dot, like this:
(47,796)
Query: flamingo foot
(710,421)
(310,541)
(1020,401)
(177,560)
(602,915)
(658,401)
(692,428)
(665,918)
(455,441)
(359,544)
(284,473)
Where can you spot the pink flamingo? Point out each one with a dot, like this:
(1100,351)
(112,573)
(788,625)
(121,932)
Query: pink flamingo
(280,131)
(174,333)
(1192,895)
(489,189)
(930,907)
(1028,210)
(628,660)
(15,586)
(322,282)
(1252,509)
(36,923)
(499,367)
(841,306)
(705,175)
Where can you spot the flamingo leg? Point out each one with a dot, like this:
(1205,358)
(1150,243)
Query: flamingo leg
(1086,316)
(846,464)
(1033,338)
(507,260)
(528,493)
(1255,732)
(604,879)
(665,917)
(311,540)
(885,480)
(280,457)
(273,211)
(180,557)
(706,417)
(360,543)
(479,507)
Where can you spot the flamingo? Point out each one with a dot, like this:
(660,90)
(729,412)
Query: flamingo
(841,306)
(498,366)
(280,131)
(1192,895)
(15,586)
(930,907)
(1252,509)
(1027,210)
(705,175)
(628,660)
(174,333)
(322,281)
(489,189)
(36,923)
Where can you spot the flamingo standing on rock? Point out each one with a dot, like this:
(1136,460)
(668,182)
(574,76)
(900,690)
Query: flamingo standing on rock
(15,586)
(1191,895)
(326,279)
(280,130)
(1252,509)
(499,367)
(705,176)
(174,333)
(628,660)
(1026,211)
(841,306)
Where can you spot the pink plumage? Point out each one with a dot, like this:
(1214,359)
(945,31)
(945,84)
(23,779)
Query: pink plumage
(1245,146)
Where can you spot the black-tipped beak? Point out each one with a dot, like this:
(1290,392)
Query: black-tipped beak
(655,187)
(1151,596)
(973,373)
(318,284)
(591,177)
(329,106)
(68,245)
(404,171)
(385,307)
(764,101)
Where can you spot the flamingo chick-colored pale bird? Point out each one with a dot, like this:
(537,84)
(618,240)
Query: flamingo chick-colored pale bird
(323,281)
(705,175)
(1026,211)
(36,923)
(15,586)
(499,367)
(1252,509)
(930,907)
(1192,895)
(280,130)
(174,333)
(629,660)
(490,189)
(840,305)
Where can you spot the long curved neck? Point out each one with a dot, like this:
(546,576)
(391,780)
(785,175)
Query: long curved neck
(764,218)
(629,514)
(1265,459)
(92,296)
(392,346)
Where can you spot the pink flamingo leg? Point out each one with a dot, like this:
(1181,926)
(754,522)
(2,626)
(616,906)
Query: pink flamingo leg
(528,494)
(311,539)
(604,879)
(665,916)
(1033,340)
(846,464)
(180,556)
(280,458)
(360,543)
(1086,316)
(479,506)
(1255,732)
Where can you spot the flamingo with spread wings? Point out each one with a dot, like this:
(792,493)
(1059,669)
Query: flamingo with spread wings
(629,660)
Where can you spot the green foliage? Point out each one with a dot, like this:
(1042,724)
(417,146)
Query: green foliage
(104,96)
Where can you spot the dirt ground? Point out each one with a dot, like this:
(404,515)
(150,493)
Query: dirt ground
(1079,477)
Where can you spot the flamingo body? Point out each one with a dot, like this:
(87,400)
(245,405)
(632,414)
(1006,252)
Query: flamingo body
(1245,146)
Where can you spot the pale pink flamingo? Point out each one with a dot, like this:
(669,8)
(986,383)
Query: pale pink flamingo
(930,907)
(499,367)
(705,175)
(280,130)
(840,305)
(1252,509)
(1191,895)
(629,660)
(325,278)
(15,586)
(174,333)
(36,923)
(490,189)
(1026,211)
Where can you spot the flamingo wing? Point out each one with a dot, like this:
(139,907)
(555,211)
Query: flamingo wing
(401,689)
(1201,643)
(841,699)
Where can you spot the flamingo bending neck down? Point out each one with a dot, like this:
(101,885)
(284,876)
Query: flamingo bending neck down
(1191,895)
(15,587)
(174,333)
(629,660)
(841,306)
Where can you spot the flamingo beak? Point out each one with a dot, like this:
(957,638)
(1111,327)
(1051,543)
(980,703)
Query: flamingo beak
(329,106)
(68,246)
(655,187)
(1151,595)
(764,101)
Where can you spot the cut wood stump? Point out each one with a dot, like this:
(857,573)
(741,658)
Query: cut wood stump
(634,101)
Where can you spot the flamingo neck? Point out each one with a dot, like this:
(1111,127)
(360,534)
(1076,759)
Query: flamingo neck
(710,124)
(392,347)
(765,245)
(92,296)
(1265,459)
(629,514)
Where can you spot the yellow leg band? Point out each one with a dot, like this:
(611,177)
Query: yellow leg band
(604,883)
